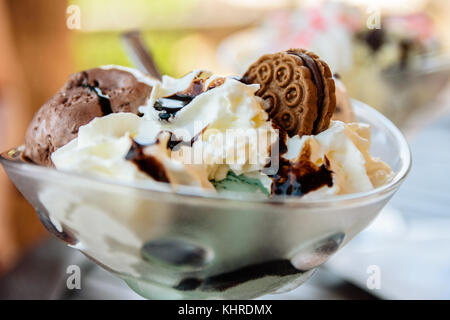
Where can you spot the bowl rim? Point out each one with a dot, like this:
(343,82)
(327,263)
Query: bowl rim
(9,159)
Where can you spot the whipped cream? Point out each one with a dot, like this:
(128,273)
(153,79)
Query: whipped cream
(346,148)
(103,148)
(233,133)
(196,129)
(236,131)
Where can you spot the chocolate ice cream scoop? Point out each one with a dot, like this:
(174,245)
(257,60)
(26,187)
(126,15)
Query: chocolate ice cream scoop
(86,95)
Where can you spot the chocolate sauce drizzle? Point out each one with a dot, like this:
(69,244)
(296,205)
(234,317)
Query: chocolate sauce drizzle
(302,176)
(298,177)
(146,163)
(170,105)
(231,279)
(243,80)
(175,143)
(103,99)
(150,164)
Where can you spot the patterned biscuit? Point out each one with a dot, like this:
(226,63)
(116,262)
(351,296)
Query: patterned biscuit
(298,89)
(327,101)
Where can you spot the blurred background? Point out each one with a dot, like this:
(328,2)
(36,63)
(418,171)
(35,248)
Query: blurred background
(393,55)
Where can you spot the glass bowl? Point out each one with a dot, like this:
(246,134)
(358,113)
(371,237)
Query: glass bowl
(191,245)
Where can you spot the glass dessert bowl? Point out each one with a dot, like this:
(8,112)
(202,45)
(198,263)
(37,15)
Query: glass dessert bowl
(188,244)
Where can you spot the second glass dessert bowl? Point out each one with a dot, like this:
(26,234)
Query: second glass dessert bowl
(191,245)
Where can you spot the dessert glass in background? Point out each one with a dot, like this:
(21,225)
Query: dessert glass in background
(403,64)
(196,245)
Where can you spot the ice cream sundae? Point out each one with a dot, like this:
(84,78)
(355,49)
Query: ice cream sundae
(208,186)
(269,132)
